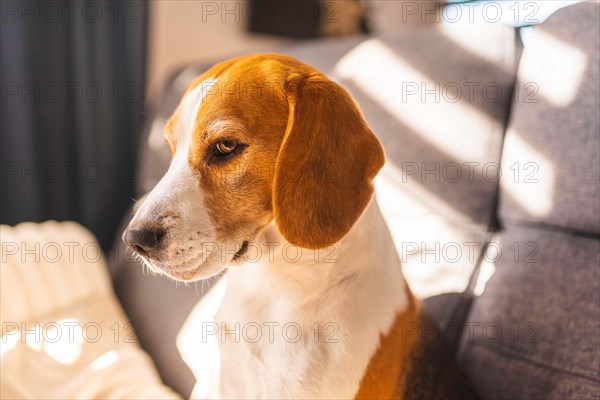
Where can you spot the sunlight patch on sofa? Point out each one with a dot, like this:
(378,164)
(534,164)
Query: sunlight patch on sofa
(529,178)
(415,99)
(547,58)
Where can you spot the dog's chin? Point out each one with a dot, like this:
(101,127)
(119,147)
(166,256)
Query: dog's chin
(197,268)
(202,272)
(188,273)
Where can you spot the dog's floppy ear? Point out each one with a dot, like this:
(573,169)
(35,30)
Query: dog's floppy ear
(326,163)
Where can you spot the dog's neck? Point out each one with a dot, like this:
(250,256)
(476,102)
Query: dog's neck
(355,287)
(358,279)
(367,249)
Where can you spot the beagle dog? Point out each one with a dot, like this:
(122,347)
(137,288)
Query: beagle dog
(271,179)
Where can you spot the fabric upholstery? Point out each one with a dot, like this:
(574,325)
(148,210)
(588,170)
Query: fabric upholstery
(552,140)
(533,333)
(536,325)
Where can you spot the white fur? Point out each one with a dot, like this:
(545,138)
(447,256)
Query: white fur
(360,294)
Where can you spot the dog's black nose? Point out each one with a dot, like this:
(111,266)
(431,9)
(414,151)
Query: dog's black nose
(143,240)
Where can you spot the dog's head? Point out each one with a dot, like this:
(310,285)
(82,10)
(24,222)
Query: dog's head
(254,139)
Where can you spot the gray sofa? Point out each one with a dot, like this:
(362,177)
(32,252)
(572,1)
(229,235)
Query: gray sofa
(507,264)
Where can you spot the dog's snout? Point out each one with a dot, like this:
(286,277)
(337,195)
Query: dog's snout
(143,240)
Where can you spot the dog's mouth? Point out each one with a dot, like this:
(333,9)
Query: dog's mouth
(158,266)
(195,269)
(241,252)
(187,269)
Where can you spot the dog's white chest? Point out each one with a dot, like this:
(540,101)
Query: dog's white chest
(299,330)
(275,350)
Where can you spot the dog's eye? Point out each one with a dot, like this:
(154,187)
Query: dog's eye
(225,147)
(224,150)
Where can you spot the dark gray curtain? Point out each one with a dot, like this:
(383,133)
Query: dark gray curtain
(72,97)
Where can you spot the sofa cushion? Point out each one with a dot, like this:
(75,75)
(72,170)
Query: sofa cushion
(552,149)
(533,333)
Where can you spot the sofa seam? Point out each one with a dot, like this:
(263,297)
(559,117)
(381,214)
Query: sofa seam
(507,353)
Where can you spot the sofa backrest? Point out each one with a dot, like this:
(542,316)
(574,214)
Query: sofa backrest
(552,145)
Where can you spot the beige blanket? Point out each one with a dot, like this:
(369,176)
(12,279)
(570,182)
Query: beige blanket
(63,332)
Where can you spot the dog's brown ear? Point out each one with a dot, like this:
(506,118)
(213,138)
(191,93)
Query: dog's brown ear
(326,163)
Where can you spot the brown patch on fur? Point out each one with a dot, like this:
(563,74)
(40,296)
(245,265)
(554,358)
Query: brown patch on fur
(385,377)
(414,362)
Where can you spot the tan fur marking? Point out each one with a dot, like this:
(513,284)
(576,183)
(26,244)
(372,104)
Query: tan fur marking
(386,373)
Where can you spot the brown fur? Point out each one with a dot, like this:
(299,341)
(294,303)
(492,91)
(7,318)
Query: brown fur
(329,143)
(413,362)
(386,373)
